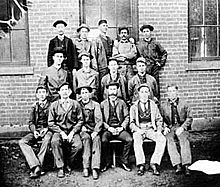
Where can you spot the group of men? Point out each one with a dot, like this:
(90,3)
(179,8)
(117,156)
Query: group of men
(124,78)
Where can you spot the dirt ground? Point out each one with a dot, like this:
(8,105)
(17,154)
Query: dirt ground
(14,170)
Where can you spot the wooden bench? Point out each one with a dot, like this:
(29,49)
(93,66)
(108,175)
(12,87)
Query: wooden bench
(119,142)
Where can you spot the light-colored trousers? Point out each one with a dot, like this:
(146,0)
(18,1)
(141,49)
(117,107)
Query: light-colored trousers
(185,156)
(157,137)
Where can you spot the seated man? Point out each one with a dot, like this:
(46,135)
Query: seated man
(86,76)
(146,122)
(65,121)
(90,132)
(39,131)
(115,120)
(55,75)
(114,76)
(140,78)
(178,119)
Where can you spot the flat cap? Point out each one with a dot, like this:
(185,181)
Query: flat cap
(63,84)
(89,88)
(143,85)
(59,50)
(102,21)
(83,25)
(85,54)
(112,84)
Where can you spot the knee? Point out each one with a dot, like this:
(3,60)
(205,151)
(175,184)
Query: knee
(86,137)
(78,146)
(55,142)
(21,142)
(97,139)
(137,137)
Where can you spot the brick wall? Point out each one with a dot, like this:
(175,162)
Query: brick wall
(200,88)
(17,92)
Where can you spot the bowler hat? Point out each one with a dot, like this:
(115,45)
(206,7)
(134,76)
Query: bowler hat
(59,22)
(150,27)
(83,25)
(112,84)
(102,21)
(89,88)
(59,50)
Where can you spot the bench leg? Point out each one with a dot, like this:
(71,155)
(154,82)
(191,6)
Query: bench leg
(114,158)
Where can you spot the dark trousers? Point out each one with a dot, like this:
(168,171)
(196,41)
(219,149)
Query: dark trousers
(65,151)
(153,70)
(91,150)
(26,144)
(124,136)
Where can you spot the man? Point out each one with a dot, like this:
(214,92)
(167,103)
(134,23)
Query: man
(103,49)
(39,131)
(146,122)
(86,76)
(115,120)
(125,52)
(66,44)
(90,132)
(178,119)
(65,121)
(140,78)
(114,76)
(55,75)
(150,49)
(84,45)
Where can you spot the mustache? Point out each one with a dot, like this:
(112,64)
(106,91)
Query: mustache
(113,94)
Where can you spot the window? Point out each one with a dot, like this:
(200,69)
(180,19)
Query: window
(14,49)
(116,12)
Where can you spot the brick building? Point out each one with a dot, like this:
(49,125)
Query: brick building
(188,30)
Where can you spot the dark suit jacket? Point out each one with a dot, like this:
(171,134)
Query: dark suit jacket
(184,112)
(71,62)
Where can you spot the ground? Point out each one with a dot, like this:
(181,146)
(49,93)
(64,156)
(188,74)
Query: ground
(14,170)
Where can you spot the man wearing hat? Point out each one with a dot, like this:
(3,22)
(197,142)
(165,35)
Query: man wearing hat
(55,75)
(125,52)
(140,78)
(177,121)
(70,62)
(86,76)
(146,122)
(65,121)
(103,49)
(150,49)
(38,125)
(114,76)
(83,44)
(115,120)
(90,133)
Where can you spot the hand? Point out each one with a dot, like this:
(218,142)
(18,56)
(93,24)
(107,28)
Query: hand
(70,136)
(63,135)
(43,132)
(119,129)
(74,71)
(142,132)
(166,130)
(112,130)
(93,135)
(36,134)
(179,131)
(83,129)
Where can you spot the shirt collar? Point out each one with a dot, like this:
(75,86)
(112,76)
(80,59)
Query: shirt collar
(124,41)
(175,102)
(147,40)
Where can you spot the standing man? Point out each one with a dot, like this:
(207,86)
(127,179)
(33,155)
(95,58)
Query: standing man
(150,49)
(84,45)
(86,76)
(177,121)
(125,52)
(70,63)
(103,49)
(90,132)
(140,78)
(38,126)
(55,75)
(65,121)
(146,122)
(114,76)
(116,119)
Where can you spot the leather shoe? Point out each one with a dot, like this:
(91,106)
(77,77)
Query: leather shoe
(85,172)
(95,174)
(105,168)
(154,168)
(60,173)
(36,173)
(178,169)
(187,171)
(140,170)
(126,167)
(68,169)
